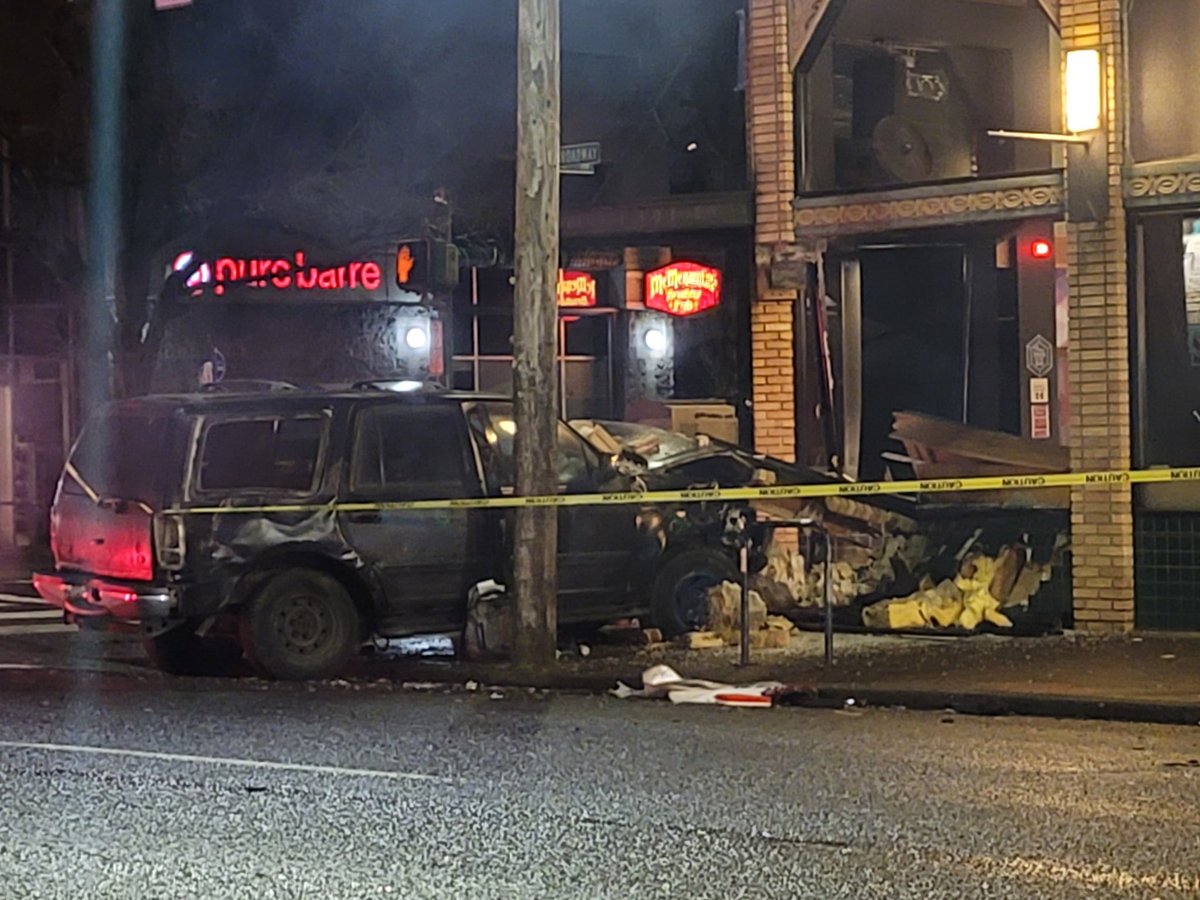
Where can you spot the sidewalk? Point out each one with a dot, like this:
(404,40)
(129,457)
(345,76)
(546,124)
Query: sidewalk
(1144,678)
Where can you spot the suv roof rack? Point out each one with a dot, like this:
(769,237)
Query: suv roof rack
(248,385)
(400,386)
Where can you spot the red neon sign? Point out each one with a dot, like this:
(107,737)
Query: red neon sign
(576,290)
(683,288)
(294,273)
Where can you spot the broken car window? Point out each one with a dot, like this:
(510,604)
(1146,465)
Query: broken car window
(120,457)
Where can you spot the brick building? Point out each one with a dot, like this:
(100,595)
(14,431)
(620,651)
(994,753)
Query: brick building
(910,258)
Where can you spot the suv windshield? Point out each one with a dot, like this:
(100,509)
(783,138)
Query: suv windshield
(119,455)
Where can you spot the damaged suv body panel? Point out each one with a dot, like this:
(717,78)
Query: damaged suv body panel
(214,496)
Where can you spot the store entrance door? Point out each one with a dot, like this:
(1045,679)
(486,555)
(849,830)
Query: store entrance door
(905,317)
(932,328)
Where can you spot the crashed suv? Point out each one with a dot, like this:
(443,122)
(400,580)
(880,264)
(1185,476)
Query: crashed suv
(266,516)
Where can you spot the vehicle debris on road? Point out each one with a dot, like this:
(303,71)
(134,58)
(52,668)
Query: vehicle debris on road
(663,681)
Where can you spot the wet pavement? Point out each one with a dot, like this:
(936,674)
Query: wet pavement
(118,782)
(119,785)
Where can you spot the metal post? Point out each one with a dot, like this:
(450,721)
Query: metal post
(828,597)
(744,559)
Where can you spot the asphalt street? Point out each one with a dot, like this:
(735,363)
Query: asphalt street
(120,784)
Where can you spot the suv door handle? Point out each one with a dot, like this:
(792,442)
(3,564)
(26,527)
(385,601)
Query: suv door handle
(367,517)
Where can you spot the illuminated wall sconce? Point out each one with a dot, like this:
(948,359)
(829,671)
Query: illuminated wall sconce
(1085,141)
(1085,90)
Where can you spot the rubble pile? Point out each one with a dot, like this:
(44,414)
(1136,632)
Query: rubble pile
(725,622)
(869,565)
(983,587)
(894,578)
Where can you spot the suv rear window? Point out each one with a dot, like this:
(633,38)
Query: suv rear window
(119,456)
(277,453)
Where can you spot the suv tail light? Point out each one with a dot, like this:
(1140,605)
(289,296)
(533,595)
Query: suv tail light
(169,541)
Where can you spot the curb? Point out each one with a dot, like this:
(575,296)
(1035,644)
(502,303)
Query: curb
(1002,704)
(1054,706)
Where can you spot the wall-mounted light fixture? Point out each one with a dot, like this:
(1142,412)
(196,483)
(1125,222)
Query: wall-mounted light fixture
(416,337)
(1085,139)
(655,340)
(1084,91)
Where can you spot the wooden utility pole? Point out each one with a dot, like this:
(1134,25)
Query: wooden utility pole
(535,337)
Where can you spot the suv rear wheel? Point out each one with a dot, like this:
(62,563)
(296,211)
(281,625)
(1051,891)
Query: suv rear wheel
(301,624)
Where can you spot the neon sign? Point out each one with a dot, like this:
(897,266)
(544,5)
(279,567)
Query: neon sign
(683,288)
(282,273)
(576,290)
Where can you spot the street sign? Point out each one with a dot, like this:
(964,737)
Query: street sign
(579,159)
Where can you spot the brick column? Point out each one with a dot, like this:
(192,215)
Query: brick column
(770,118)
(1101,516)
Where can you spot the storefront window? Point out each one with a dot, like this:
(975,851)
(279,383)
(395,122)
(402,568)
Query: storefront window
(1170,346)
(483,347)
(905,91)
(1191,285)
(1164,52)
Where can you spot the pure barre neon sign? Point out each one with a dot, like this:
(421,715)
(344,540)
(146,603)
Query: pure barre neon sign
(683,288)
(282,274)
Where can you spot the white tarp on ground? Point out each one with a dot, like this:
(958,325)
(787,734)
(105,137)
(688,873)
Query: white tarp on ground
(663,681)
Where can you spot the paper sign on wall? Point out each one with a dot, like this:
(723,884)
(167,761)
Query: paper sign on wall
(1039,421)
(1039,390)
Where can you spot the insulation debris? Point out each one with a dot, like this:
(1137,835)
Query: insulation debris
(978,594)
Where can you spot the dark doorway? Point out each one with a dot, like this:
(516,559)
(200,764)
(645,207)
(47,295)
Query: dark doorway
(914,315)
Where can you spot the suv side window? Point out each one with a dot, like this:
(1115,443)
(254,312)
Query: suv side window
(411,452)
(279,453)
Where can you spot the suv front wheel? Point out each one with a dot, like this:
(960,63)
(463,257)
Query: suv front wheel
(300,625)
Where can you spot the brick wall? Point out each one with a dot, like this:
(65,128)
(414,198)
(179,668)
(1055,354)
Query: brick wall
(773,170)
(1101,517)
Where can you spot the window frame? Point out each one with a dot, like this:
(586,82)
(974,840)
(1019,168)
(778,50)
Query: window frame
(468,482)
(205,425)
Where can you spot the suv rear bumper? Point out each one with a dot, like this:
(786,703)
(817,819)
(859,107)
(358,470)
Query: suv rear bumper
(82,596)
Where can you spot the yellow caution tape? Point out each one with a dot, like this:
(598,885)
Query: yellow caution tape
(775,492)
